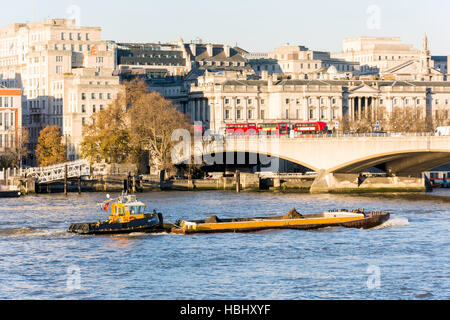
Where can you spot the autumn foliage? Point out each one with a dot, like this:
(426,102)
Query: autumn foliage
(137,125)
(50,149)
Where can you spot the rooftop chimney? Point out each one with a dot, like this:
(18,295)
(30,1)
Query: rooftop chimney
(209,48)
(227,50)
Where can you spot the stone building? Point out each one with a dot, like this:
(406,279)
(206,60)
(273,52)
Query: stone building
(388,57)
(274,99)
(157,60)
(289,59)
(10,117)
(49,60)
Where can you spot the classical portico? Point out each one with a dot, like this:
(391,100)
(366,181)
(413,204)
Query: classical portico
(363,102)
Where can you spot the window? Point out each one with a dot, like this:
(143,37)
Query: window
(262,101)
(59,58)
(250,114)
(83,120)
(238,101)
(79,36)
(287,113)
(59,69)
(93,108)
(62,35)
(101,107)
(108,95)
(70,36)
(238,114)
(311,113)
(87,36)
(100,95)
(227,101)
(92,95)
(262,114)
(249,101)
(287,101)
(83,96)
(227,114)
(83,108)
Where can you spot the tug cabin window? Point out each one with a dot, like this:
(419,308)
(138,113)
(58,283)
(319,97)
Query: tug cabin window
(133,210)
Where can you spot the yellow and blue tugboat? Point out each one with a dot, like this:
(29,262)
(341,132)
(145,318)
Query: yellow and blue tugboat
(127,215)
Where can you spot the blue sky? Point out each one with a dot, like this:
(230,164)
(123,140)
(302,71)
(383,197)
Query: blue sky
(255,25)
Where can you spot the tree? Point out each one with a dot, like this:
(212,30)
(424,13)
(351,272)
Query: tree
(138,124)
(19,150)
(50,149)
(153,119)
(406,120)
(106,137)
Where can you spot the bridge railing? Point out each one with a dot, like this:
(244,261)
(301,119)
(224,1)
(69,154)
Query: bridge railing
(57,172)
(336,135)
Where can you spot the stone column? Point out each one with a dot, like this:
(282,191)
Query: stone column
(359,99)
(330,106)
(246,110)
(258,108)
(306,108)
(351,107)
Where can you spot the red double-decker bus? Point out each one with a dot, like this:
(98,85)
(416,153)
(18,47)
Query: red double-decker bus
(279,129)
(241,129)
(310,128)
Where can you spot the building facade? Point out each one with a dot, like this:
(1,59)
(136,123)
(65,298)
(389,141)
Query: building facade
(290,59)
(10,118)
(43,59)
(273,99)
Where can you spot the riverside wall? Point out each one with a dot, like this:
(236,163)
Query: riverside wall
(323,183)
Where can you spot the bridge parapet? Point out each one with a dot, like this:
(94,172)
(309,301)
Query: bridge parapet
(75,169)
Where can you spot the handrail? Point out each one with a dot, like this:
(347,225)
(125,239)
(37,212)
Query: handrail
(329,136)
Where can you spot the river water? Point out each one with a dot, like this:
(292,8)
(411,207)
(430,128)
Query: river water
(406,258)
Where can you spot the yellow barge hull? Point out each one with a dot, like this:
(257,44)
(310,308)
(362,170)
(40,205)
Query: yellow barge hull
(347,219)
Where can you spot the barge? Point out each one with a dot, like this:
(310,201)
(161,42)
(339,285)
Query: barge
(127,216)
(293,220)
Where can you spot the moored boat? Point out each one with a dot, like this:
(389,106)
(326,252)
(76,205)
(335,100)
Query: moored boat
(293,220)
(127,216)
(10,194)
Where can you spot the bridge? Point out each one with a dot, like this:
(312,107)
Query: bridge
(58,172)
(340,159)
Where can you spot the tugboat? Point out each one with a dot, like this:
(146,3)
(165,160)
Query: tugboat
(127,215)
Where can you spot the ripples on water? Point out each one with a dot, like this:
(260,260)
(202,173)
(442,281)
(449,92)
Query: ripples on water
(39,260)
